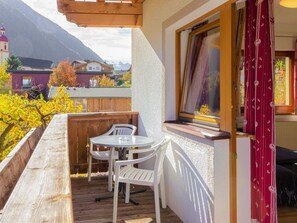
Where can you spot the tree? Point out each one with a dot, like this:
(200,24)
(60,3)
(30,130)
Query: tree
(125,80)
(63,75)
(35,92)
(13,62)
(103,81)
(18,115)
(5,79)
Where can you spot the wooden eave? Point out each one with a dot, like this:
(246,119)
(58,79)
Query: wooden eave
(103,13)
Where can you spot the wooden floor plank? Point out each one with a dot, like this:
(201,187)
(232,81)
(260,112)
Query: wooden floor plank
(86,210)
(287,215)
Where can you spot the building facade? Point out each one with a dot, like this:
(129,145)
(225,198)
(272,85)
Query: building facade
(4,50)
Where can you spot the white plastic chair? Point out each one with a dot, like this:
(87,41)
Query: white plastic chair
(125,172)
(116,129)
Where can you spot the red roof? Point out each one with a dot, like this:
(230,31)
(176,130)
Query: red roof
(3,38)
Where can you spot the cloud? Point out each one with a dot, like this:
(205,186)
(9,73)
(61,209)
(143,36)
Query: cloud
(112,44)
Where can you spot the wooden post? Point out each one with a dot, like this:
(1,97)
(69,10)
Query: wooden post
(228,95)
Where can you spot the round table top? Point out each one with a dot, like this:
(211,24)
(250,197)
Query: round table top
(122,141)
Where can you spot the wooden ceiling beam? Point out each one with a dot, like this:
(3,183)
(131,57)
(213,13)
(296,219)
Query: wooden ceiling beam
(103,13)
(105,20)
(68,6)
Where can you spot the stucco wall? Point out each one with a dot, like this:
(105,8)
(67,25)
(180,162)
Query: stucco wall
(148,69)
(190,169)
(36,80)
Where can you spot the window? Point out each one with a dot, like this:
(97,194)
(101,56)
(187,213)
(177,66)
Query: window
(284,82)
(200,99)
(27,82)
(93,83)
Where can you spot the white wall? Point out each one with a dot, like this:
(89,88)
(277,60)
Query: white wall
(93,66)
(286,132)
(195,169)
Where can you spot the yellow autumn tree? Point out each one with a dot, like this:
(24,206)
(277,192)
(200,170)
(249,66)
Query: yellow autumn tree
(63,75)
(5,79)
(103,81)
(126,80)
(18,115)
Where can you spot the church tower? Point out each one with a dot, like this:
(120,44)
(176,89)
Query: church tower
(4,53)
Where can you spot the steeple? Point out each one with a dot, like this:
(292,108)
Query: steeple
(4,52)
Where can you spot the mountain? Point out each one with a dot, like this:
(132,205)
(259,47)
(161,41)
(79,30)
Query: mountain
(32,35)
(121,66)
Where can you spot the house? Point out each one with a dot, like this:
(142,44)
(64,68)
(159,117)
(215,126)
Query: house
(213,173)
(32,72)
(24,79)
(84,78)
(161,49)
(87,69)
(90,65)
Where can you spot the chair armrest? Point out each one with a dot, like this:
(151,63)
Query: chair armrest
(135,161)
(149,149)
(133,151)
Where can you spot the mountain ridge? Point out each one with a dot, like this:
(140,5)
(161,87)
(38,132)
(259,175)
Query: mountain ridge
(32,35)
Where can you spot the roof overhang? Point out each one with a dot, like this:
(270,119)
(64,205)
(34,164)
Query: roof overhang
(103,13)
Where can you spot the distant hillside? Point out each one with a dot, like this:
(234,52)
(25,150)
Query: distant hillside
(32,35)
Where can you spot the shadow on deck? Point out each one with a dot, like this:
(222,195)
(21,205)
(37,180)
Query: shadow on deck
(85,209)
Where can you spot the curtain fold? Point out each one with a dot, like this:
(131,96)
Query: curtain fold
(259,107)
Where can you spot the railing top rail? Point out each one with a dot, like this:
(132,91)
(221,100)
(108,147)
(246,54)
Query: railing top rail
(43,192)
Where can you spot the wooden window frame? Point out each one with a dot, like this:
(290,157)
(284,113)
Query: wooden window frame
(287,109)
(211,121)
(228,65)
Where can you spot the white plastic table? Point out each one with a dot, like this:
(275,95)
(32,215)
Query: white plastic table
(122,142)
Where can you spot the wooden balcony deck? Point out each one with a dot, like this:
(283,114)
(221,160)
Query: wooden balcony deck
(85,209)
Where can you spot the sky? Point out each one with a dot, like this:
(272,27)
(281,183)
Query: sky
(111,44)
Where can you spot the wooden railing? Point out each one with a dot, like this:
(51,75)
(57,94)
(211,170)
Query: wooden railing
(104,104)
(82,127)
(13,165)
(43,192)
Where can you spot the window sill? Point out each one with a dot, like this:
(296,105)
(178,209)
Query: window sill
(194,130)
(286,118)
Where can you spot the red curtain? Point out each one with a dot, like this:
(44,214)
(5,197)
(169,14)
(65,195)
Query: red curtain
(259,107)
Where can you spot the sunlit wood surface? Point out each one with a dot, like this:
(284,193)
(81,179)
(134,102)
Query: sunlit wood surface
(103,13)
(87,210)
(287,215)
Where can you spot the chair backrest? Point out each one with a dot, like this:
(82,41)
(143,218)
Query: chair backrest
(122,129)
(160,155)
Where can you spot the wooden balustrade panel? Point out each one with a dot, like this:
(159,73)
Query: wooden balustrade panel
(82,127)
(13,165)
(108,104)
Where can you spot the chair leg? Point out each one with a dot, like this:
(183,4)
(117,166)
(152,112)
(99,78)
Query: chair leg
(162,188)
(110,165)
(90,168)
(115,201)
(157,204)
(127,194)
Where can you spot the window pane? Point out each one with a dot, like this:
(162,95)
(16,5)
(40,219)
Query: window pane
(282,81)
(202,84)
(27,82)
